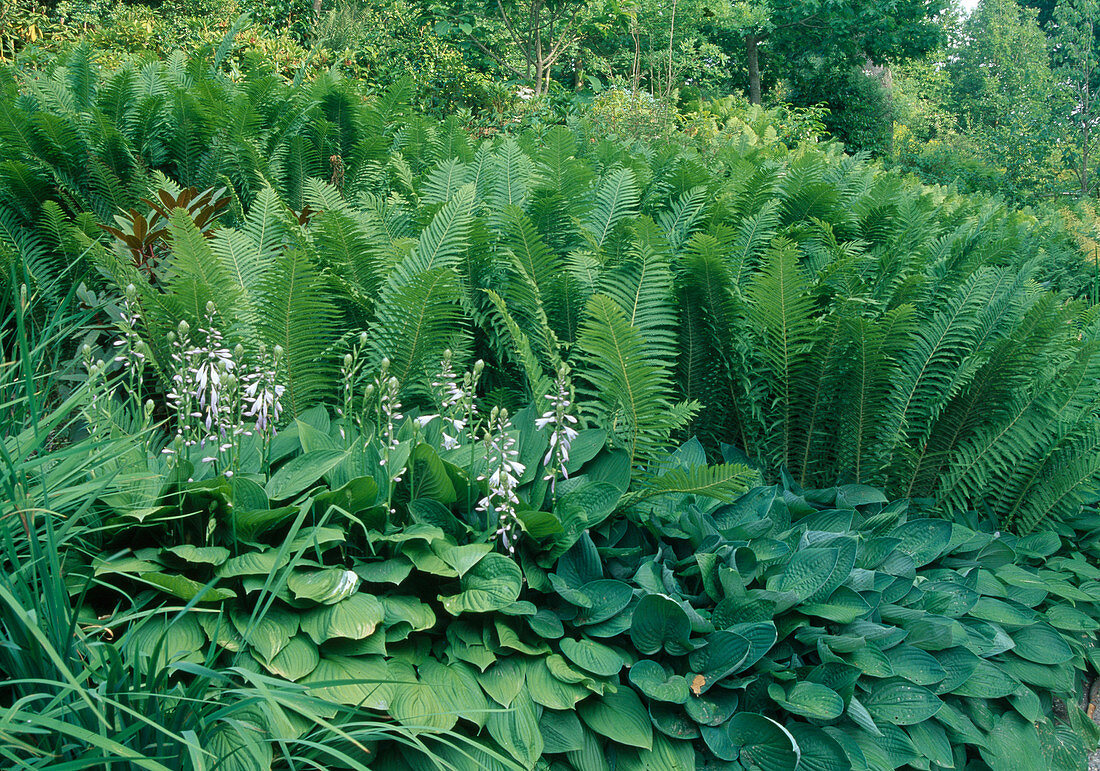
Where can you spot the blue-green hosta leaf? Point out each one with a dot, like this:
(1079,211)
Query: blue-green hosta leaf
(659,622)
(564,671)
(516,730)
(762,742)
(561,731)
(368,681)
(652,680)
(296,660)
(546,624)
(915,665)
(492,584)
(199,555)
(1042,644)
(819,751)
(673,721)
(713,707)
(221,631)
(861,717)
(1014,743)
(807,699)
(871,660)
(268,633)
(593,657)
(327,586)
(843,606)
(358,494)
(923,539)
(620,717)
(987,681)
(311,539)
(1001,612)
(128,565)
(250,523)
(807,572)
(1071,619)
(900,702)
(353,618)
(723,654)
(301,472)
(958,664)
(457,689)
(608,598)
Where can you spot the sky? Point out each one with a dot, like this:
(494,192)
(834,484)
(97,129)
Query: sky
(968,5)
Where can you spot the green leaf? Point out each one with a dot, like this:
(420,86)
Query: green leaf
(200,555)
(819,751)
(762,742)
(301,472)
(608,597)
(367,681)
(327,586)
(504,680)
(549,691)
(296,660)
(808,571)
(899,702)
(353,618)
(457,689)
(915,665)
(651,679)
(561,731)
(620,717)
(391,571)
(811,700)
(724,653)
(923,539)
(269,633)
(987,681)
(713,707)
(416,705)
(516,730)
(461,558)
(1040,643)
(592,656)
(659,622)
(186,589)
(492,584)
(253,563)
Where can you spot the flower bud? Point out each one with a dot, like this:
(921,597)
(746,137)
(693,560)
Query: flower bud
(131,291)
(347,361)
(362,338)
(385,363)
(278,351)
(238,351)
(479,367)
(211,309)
(184,329)
(149,407)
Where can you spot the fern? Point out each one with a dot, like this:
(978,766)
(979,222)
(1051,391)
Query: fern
(616,199)
(724,482)
(630,387)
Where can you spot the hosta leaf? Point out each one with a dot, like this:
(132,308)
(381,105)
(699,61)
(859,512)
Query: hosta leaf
(592,656)
(818,750)
(561,731)
(369,681)
(186,589)
(492,584)
(296,660)
(549,691)
(811,700)
(504,681)
(416,705)
(391,571)
(608,598)
(713,707)
(301,472)
(666,755)
(516,730)
(659,622)
(268,633)
(327,586)
(808,571)
(404,615)
(254,563)
(238,746)
(987,681)
(1040,643)
(915,665)
(724,653)
(200,555)
(180,639)
(457,689)
(620,717)
(762,742)
(923,539)
(461,558)
(900,702)
(353,618)
(651,679)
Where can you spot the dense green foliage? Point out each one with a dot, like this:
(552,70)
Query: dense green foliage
(890,567)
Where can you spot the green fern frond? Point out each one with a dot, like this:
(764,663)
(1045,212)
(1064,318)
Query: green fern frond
(442,241)
(617,198)
(679,220)
(538,383)
(628,386)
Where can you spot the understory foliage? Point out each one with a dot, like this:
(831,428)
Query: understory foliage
(365,450)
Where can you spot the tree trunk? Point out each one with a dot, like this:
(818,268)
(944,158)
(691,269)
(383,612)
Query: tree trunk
(754,68)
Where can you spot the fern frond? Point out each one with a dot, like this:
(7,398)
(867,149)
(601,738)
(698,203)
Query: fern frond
(442,241)
(618,197)
(682,217)
(723,482)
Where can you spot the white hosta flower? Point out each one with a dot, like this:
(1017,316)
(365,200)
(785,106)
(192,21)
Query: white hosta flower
(561,424)
(503,478)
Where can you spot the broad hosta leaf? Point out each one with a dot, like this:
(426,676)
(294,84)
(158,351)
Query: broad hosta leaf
(987,681)
(493,583)
(561,731)
(254,563)
(651,679)
(179,639)
(811,700)
(237,745)
(915,665)
(659,622)
(416,705)
(608,598)
(301,472)
(457,689)
(899,702)
(808,571)
(296,660)
(353,618)
(620,717)
(549,691)
(819,751)
(369,681)
(723,654)
(200,555)
(327,586)
(1042,644)
(592,656)
(713,707)
(923,539)
(516,730)
(504,681)
(762,742)
(267,633)
(185,588)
